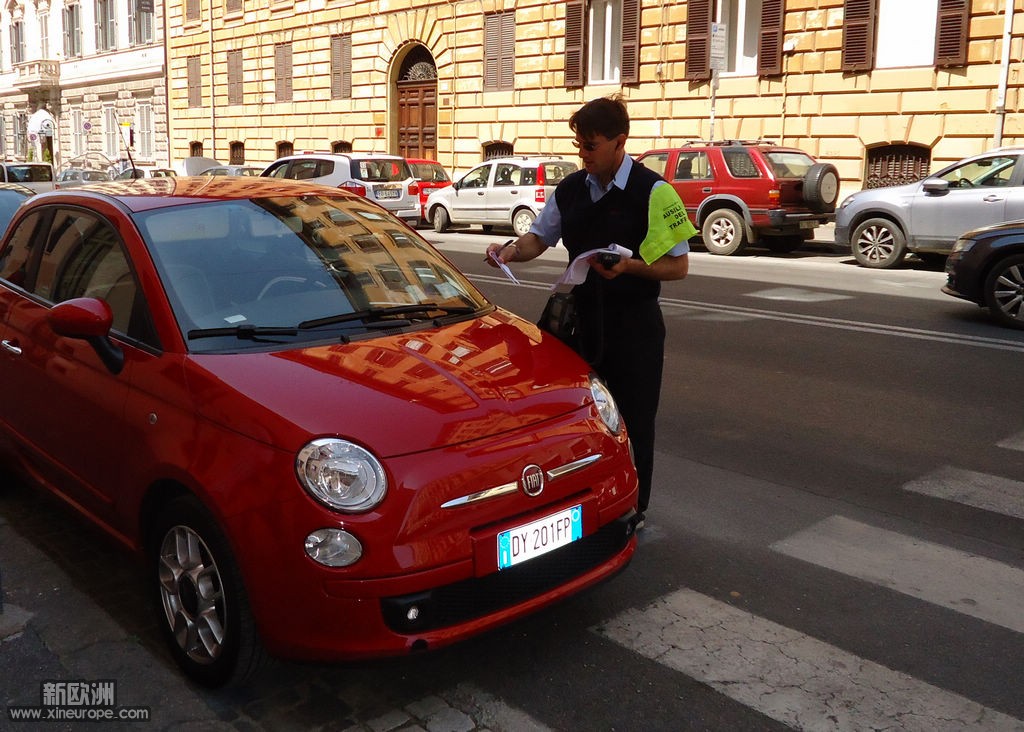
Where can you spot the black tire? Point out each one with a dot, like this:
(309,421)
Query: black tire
(723,232)
(878,244)
(784,244)
(821,187)
(1004,292)
(202,607)
(522,220)
(440,219)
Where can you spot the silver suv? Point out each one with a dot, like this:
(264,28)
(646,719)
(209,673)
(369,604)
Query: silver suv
(384,179)
(498,192)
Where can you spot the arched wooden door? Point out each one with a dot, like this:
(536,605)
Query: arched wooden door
(417,105)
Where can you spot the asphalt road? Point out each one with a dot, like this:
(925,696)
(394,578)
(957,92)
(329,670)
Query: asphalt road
(835,541)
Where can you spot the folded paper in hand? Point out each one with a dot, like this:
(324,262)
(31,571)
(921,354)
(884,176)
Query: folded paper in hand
(576,272)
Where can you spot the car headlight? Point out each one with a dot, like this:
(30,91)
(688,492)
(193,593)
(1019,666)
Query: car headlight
(963,245)
(341,475)
(605,405)
(846,202)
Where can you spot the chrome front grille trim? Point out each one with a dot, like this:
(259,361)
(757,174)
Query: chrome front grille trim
(506,488)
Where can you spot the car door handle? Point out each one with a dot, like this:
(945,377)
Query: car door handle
(992,198)
(479,193)
(706,189)
(12,347)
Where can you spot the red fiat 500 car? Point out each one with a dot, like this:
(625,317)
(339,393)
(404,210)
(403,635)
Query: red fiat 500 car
(329,444)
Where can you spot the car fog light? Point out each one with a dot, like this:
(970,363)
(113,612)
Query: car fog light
(333,547)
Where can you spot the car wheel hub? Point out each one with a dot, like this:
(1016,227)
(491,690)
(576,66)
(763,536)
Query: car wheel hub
(876,244)
(191,595)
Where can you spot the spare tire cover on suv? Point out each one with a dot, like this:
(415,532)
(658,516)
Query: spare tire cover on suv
(821,187)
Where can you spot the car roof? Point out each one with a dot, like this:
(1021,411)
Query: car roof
(526,159)
(347,156)
(18,188)
(143,194)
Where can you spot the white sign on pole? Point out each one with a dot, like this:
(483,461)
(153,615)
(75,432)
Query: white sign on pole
(718,43)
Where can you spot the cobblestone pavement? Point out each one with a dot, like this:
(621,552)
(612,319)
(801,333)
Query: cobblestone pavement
(73,608)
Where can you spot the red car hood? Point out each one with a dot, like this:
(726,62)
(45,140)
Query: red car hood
(397,394)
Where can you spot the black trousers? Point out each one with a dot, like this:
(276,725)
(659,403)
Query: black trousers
(631,365)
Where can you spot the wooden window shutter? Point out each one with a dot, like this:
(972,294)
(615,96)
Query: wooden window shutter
(769,43)
(283,72)
(575,18)
(630,58)
(698,40)
(951,33)
(499,51)
(859,35)
(234,77)
(341,66)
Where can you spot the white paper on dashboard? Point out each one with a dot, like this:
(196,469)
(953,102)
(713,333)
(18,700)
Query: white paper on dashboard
(576,272)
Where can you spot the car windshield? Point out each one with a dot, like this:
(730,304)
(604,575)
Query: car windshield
(383,170)
(289,269)
(430,172)
(789,163)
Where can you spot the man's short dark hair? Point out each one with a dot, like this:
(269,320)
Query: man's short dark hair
(605,116)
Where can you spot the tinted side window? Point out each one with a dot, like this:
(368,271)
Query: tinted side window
(16,261)
(740,164)
(83,257)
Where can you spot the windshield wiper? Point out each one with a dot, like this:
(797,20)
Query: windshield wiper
(245,332)
(375,313)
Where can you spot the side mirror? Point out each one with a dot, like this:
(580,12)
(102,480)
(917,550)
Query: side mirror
(88,319)
(935,186)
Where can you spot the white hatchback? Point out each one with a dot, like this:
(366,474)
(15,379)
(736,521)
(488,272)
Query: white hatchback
(498,192)
(385,179)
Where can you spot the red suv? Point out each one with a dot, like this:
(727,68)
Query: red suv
(741,192)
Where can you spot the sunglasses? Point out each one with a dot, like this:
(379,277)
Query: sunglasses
(588,146)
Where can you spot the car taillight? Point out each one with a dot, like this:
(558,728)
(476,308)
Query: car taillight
(538,195)
(354,188)
(540,175)
(774,195)
(414,189)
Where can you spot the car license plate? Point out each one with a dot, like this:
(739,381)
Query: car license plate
(809,224)
(388,192)
(539,537)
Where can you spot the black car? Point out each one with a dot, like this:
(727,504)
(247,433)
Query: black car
(987,268)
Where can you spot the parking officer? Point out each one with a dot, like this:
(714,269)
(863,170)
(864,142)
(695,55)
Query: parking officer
(615,200)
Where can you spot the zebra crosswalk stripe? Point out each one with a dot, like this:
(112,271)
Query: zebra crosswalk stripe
(788,676)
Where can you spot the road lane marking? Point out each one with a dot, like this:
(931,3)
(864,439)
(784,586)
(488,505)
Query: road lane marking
(962,339)
(788,676)
(798,294)
(980,490)
(1014,442)
(976,586)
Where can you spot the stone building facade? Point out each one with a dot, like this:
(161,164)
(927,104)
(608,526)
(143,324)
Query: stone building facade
(81,81)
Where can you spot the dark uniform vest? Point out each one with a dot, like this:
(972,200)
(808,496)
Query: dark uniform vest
(619,217)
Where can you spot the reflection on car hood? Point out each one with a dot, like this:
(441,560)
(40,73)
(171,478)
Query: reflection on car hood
(396,394)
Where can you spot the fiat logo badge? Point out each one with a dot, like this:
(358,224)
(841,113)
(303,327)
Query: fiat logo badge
(532,481)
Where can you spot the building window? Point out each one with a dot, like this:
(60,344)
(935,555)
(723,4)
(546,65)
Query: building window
(235,95)
(283,72)
(499,51)
(77,133)
(895,165)
(341,66)
(195,82)
(195,149)
(17,42)
(881,34)
(111,143)
(192,13)
(20,132)
(72,16)
(3,136)
(140,22)
(236,156)
(498,150)
(284,148)
(754,31)
(144,126)
(44,35)
(232,6)
(106,26)
(602,42)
